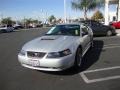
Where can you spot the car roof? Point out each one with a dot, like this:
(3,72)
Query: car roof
(69,24)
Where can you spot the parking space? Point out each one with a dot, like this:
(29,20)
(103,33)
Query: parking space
(103,74)
(107,67)
(100,69)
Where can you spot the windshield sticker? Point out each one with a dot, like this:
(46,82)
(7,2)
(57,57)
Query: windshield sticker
(76,32)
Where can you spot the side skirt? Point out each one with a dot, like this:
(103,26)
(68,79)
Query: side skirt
(85,51)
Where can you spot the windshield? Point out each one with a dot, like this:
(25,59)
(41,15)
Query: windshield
(73,30)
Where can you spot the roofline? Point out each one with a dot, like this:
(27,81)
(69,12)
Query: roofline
(69,23)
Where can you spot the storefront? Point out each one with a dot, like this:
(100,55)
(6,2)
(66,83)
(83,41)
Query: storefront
(107,2)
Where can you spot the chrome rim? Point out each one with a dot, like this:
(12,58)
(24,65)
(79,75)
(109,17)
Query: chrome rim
(109,33)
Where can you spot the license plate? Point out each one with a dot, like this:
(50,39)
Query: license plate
(34,62)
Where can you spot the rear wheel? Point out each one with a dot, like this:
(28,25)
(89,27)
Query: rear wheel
(109,33)
(78,58)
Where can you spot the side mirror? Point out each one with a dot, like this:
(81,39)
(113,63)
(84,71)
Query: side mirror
(84,33)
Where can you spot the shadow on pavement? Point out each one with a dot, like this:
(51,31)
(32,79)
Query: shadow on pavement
(91,57)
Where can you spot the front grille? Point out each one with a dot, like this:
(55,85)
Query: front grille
(35,54)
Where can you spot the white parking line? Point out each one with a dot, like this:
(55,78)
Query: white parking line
(102,69)
(118,34)
(21,30)
(84,77)
(111,47)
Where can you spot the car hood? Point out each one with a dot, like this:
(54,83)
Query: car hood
(49,43)
(3,28)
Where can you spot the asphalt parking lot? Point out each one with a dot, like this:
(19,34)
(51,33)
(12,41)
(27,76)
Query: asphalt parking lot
(100,69)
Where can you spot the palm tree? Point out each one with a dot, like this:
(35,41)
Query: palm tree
(7,20)
(86,5)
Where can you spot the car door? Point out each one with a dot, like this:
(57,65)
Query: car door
(10,28)
(85,38)
(104,29)
(98,28)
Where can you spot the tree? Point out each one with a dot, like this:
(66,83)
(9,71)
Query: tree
(97,16)
(86,5)
(35,21)
(28,21)
(52,18)
(7,20)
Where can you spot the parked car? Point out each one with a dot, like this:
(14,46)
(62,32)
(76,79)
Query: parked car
(39,25)
(100,29)
(18,27)
(62,47)
(6,28)
(115,25)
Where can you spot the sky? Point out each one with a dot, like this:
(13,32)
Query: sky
(40,9)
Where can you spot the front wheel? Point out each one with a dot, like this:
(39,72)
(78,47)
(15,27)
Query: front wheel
(78,58)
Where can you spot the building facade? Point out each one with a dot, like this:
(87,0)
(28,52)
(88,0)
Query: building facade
(107,3)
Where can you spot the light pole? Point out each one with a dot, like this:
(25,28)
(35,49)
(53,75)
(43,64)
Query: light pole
(106,12)
(65,14)
(46,17)
(25,25)
(118,10)
(1,17)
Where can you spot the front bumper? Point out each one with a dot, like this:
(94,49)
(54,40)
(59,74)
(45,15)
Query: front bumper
(48,64)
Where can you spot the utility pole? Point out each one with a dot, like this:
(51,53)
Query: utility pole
(46,15)
(1,17)
(25,22)
(65,12)
(42,13)
(118,11)
(106,12)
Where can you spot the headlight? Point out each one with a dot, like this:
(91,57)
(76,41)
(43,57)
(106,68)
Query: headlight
(22,52)
(59,54)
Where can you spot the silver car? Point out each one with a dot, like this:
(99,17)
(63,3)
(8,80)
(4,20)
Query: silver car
(62,47)
(6,28)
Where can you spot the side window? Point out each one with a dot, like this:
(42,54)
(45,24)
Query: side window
(84,30)
(97,23)
(9,25)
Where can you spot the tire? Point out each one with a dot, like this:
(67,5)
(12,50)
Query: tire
(78,58)
(109,33)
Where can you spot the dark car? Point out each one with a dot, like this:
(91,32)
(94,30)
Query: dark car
(99,28)
(18,27)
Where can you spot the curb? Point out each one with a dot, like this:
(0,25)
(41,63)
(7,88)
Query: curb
(118,32)
(118,35)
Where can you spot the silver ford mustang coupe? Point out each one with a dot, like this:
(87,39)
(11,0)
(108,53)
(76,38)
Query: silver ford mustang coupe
(62,47)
